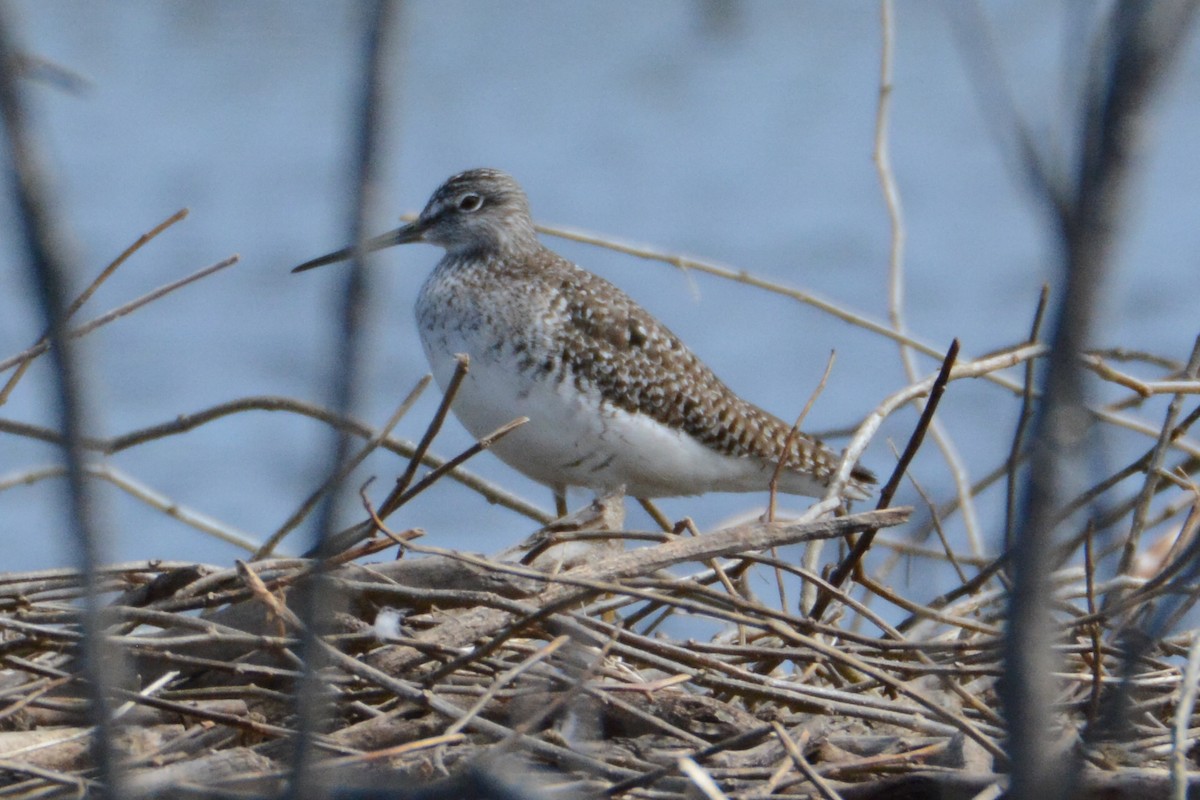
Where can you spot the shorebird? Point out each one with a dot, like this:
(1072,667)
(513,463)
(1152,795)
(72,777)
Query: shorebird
(614,398)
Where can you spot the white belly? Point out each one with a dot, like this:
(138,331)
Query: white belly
(572,439)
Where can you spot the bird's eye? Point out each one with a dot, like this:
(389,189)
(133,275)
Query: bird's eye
(470,202)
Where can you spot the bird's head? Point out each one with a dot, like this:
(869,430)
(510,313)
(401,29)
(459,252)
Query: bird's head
(476,211)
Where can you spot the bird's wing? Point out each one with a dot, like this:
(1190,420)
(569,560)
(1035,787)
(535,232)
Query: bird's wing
(640,366)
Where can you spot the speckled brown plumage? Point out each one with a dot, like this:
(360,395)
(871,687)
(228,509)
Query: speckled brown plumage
(551,340)
(611,343)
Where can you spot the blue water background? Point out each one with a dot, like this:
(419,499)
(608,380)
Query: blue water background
(737,133)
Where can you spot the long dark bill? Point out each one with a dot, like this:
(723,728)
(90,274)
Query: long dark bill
(402,235)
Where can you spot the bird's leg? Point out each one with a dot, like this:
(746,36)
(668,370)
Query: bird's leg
(560,503)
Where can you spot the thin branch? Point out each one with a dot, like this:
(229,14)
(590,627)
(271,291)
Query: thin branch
(120,311)
(852,562)
(330,483)
(184,423)
(1154,465)
(1024,418)
(795,431)
(462,363)
(88,292)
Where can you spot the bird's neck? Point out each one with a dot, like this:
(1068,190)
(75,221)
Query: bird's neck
(512,248)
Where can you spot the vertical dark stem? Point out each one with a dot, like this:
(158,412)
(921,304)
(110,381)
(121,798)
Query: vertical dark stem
(315,610)
(44,241)
(1142,37)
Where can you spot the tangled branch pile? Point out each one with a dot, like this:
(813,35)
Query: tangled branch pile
(569,668)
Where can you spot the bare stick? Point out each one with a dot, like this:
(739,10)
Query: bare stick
(795,431)
(1181,741)
(120,311)
(1154,465)
(89,291)
(311,501)
(801,763)
(462,363)
(852,562)
(703,782)
(183,423)
(343,539)
(470,452)
(891,194)
(1023,421)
